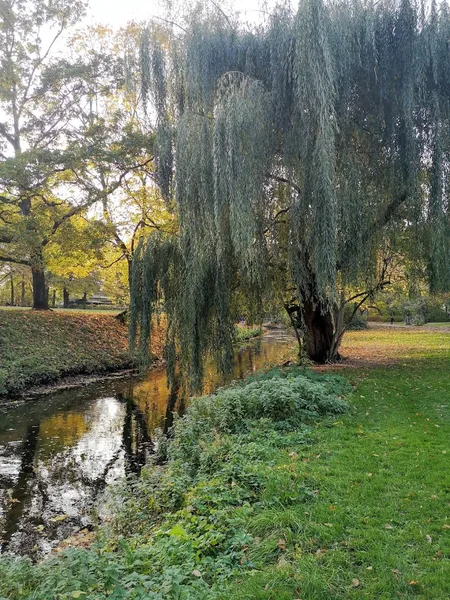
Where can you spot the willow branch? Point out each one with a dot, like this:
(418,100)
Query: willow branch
(284,180)
(170,23)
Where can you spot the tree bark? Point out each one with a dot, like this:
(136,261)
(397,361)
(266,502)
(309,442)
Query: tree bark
(320,332)
(12,298)
(65,298)
(315,331)
(54,298)
(40,295)
(22,294)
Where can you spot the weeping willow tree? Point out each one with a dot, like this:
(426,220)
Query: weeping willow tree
(295,153)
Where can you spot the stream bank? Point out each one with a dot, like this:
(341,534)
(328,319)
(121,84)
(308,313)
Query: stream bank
(184,529)
(44,347)
(59,452)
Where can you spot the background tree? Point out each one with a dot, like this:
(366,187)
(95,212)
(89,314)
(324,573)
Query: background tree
(117,144)
(37,94)
(333,120)
(74,258)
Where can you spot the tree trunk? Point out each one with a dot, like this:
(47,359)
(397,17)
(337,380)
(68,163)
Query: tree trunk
(22,293)
(317,334)
(12,298)
(54,299)
(65,298)
(40,295)
(84,299)
(320,332)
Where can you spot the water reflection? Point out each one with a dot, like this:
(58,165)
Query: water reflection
(59,452)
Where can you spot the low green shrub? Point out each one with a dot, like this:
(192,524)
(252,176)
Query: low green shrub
(291,401)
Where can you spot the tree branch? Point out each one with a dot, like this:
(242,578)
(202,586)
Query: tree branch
(16,261)
(284,180)
(377,288)
(226,17)
(122,256)
(69,214)
(169,22)
(390,210)
(283,211)
(6,135)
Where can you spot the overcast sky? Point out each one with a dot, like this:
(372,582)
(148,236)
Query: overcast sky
(118,12)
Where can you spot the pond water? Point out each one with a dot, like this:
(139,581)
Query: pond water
(59,452)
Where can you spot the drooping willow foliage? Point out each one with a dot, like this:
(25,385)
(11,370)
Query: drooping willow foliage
(335,117)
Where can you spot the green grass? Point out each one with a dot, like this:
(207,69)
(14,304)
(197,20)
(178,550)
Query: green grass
(351,506)
(382,515)
(41,347)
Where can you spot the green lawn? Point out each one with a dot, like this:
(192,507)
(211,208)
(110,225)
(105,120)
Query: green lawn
(380,526)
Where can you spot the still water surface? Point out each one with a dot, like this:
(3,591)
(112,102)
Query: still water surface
(58,453)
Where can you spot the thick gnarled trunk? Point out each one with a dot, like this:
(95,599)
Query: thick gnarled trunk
(318,328)
(320,332)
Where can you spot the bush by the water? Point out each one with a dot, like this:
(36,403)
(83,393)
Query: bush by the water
(184,530)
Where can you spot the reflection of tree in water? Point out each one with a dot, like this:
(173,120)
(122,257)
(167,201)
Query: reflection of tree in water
(171,404)
(21,491)
(135,438)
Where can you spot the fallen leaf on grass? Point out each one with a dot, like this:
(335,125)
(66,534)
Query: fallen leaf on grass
(428,538)
(196,573)
(355,583)
(58,518)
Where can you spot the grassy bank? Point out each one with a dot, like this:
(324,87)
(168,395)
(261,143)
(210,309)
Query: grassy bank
(41,347)
(272,493)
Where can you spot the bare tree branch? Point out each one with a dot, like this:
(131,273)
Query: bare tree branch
(284,180)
